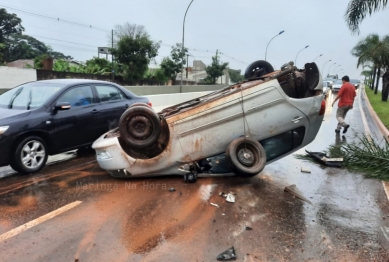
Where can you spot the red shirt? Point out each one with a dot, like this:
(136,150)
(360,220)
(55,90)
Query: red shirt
(347,94)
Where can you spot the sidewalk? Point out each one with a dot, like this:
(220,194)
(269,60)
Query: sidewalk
(377,120)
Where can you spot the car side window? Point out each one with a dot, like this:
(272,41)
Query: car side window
(109,93)
(78,96)
(281,144)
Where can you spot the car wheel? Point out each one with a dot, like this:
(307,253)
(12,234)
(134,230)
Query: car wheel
(139,126)
(190,178)
(258,69)
(30,155)
(246,156)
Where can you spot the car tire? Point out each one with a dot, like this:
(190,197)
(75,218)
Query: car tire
(245,157)
(30,155)
(190,178)
(258,69)
(139,126)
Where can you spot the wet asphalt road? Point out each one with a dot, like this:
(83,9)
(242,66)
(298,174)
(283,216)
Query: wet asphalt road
(140,220)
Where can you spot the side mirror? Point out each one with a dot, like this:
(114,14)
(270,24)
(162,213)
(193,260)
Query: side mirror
(62,106)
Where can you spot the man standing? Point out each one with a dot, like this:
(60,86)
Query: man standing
(346,97)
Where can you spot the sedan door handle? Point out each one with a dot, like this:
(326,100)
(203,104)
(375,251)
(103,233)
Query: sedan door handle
(126,106)
(95,111)
(296,119)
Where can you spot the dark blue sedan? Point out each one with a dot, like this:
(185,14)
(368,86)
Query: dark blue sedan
(48,117)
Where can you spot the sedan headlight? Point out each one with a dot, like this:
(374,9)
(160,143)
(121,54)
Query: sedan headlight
(3,129)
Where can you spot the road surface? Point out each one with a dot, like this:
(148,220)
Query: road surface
(73,211)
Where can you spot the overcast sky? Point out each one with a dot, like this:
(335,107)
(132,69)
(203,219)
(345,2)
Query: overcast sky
(240,29)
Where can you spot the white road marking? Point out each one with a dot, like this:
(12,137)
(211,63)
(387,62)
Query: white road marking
(367,132)
(38,221)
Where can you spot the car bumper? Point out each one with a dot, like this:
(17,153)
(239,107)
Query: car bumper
(5,150)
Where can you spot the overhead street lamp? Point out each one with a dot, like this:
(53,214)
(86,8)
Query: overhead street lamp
(295,60)
(317,57)
(329,69)
(336,67)
(271,40)
(322,70)
(182,47)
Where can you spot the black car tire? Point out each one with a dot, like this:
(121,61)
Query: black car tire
(258,69)
(139,126)
(190,178)
(33,147)
(245,156)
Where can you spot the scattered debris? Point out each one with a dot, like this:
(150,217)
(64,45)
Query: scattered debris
(248,228)
(222,194)
(305,170)
(223,214)
(294,191)
(227,255)
(172,189)
(230,198)
(325,160)
(215,205)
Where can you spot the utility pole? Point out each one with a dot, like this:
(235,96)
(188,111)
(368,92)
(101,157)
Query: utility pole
(113,71)
(187,67)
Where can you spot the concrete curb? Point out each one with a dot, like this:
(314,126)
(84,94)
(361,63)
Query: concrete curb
(377,120)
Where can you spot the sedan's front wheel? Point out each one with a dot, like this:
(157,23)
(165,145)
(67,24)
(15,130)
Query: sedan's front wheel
(30,155)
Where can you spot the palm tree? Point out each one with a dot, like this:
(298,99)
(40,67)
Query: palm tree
(358,9)
(373,50)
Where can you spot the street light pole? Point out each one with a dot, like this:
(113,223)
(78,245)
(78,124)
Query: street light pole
(329,69)
(271,40)
(182,47)
(336,67)
(317,57)
(295,60)
(322,70)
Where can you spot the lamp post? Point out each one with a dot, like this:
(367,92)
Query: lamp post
(271,40)
(317,57)
(329,69)
(182,47)
(322,70)
(295,60)
(335,68)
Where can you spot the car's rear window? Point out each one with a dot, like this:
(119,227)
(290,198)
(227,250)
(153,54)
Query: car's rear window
(29,95)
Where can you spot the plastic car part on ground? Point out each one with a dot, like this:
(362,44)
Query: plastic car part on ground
(235,130)
(227,255)
(325,160)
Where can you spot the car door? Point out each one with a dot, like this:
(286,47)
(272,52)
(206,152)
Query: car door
(75,127)
(112,104)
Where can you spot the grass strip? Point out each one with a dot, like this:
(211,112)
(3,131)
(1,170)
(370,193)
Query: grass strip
(381,108)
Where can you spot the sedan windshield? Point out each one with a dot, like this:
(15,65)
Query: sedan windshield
(338,82)
(28,96)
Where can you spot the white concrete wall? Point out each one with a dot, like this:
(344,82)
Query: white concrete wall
(12,76)
(160,102)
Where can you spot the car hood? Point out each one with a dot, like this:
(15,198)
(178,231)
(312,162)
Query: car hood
(7,115)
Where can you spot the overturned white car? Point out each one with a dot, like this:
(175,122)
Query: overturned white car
(236,130)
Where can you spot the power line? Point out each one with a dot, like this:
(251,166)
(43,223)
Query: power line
(63,41)
(56,19)
(62,32)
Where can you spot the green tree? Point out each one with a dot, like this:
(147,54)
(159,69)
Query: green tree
(357,10)
(134,51)
(375,51)
(235,75)
(215,70)
(9,24)
(172,66)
